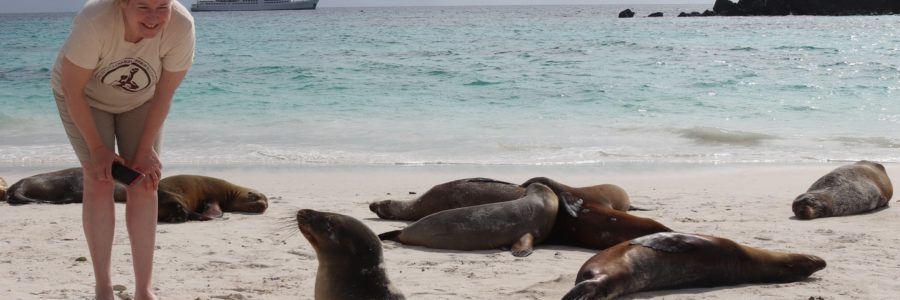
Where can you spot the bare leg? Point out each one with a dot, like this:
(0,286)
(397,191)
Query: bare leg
(98,216)
(140,217)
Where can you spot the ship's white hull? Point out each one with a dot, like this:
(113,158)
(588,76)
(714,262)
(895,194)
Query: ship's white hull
(235,6)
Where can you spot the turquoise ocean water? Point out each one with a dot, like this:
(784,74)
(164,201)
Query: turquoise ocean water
(526,85)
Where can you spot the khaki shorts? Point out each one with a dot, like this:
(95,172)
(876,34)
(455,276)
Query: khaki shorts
(123,130)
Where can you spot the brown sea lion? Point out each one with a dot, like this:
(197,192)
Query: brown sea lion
(449,195)
(58,187)
(519,224)
(195,197)
(671,260)
(594,225)
(608,194)
(850,189)
(351,265)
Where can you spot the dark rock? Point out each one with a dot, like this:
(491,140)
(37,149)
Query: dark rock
(627,13)
(805,7)
(692,14)
(655,15)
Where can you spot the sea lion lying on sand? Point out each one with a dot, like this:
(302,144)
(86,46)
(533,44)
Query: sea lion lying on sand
(181,197)
(449,195)
(519,224)
(478,191)
(350,258)
(196,197)
(58,187)
(670,260)
(610,195)
(594,225)
(850,189)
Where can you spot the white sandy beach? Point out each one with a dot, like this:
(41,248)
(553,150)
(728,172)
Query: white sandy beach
(265,257)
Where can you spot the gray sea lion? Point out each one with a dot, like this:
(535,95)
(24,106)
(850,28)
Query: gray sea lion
(519,224)
(196,197)
(671,260)
(449,195)
(350,258)
(478,191)
(58,187)
(594,225)
(850,189)
(608,194)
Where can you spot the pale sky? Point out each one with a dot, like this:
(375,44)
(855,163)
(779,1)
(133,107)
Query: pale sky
(31,6)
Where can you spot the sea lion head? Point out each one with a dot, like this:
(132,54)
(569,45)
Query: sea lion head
(795,267)
(812,205)
(381,208)
(250,201)
(338,235)
(594,286)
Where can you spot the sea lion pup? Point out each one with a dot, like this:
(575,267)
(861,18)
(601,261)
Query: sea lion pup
(847,190)
(202,198)
(594,225)
(609,194)
(349,254)
(670,260)
(519,224)
(449,195)
(57,187)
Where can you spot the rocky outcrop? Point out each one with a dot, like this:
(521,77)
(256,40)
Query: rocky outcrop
(706,13)
(655,15)
(805,7)
(627,13)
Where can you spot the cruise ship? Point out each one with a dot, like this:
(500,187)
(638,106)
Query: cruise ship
(229,5)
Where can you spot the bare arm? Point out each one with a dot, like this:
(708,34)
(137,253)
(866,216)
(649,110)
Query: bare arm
(146,159)
(74,79)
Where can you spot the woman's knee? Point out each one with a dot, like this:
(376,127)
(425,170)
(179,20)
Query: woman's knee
(141,191)
(93,185)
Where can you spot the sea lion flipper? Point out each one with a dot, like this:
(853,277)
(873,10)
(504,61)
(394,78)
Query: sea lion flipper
(211,210)
(390,235)
(572,204)
(524,246)
(630,208)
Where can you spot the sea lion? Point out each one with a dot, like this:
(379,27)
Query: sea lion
(670,260)
(350,258)
(608,194)
(58,187)
(594,225)
(850,189)
(195,197)
(449,195)
(2,189)
(519,224)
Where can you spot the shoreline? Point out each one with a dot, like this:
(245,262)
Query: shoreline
(246,256)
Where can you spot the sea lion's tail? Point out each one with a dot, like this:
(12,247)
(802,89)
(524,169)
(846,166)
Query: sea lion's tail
(15,195)
(390,235)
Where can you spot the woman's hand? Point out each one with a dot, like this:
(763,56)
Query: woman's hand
(101,162)
(148,163)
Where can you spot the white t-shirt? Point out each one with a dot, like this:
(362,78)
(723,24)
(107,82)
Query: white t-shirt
(124,73)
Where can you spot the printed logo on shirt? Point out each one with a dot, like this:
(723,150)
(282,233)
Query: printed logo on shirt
(130,75)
